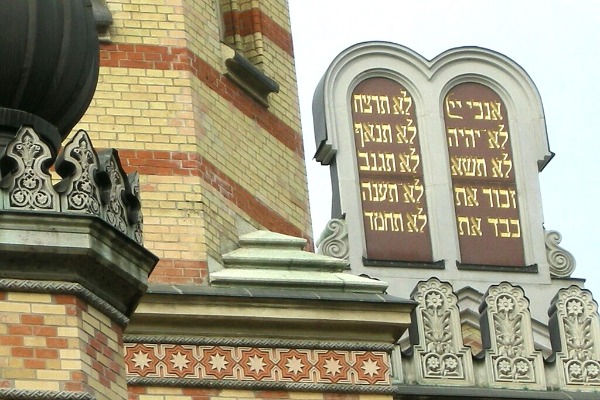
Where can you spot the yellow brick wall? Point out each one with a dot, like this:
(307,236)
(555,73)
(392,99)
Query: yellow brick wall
(162,89)
(58,343)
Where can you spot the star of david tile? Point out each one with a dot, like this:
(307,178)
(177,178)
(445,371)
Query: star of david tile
(218,362)
(180,361)
(332,366)
(256,364)
(294,365)
(372,368)
(140,359)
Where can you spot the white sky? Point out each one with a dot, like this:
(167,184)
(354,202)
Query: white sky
(556,42)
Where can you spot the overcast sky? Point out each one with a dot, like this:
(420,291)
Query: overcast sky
(556,42)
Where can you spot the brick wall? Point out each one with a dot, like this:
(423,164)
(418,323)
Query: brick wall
(211,158)
(58,343)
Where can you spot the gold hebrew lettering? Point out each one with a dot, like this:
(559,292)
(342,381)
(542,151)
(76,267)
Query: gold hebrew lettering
(364,186)
(409,162)
(402,103)
(501,167)
(477,106)
(515,233)
(367,165)
(452,132)
(472,224)
(451,105)
(383,105)
(496,112)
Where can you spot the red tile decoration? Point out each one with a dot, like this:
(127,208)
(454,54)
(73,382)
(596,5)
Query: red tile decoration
(320,366)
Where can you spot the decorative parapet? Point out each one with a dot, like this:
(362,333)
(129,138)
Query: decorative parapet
(507,337)
(91,184)
(575,332)
(440,357)
(562,263)
(334,239)
(511,364)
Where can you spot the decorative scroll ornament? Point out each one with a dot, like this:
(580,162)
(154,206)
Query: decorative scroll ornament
(78,166)
(562,263)
(575,335)
(116,211)
(334,239)
(507,335)
(436,333)
(90,184)
(25,179)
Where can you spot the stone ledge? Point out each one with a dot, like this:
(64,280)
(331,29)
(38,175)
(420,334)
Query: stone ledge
(75,248)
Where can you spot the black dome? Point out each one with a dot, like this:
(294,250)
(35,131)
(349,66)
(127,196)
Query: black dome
(50,59)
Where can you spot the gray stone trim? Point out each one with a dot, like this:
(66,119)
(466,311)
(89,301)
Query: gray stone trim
(21,394)
(254,385)
(55,287)
(248,342)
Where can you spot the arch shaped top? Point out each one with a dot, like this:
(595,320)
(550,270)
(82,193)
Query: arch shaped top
(442,162)
(431,79)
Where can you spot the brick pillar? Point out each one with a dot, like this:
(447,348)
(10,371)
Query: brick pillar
(64,306)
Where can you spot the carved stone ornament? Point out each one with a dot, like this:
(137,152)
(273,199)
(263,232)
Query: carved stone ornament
(90,184)
(334,239)
(507,335)
(562,263)
(440,356)
(116,211)
(575,335)
(26,183)
(78,166)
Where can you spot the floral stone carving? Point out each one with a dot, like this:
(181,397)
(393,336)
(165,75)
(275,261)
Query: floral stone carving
(507,336)
(440,356)
(575,333)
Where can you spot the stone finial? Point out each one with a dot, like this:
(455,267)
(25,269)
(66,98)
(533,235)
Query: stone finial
(511,360)
(562,263)
(439,354)
(575,333)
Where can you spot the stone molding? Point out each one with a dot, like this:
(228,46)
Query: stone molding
(250,342)
(22,394)
(55,287)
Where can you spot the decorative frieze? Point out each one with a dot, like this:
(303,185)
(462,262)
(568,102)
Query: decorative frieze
(266,365)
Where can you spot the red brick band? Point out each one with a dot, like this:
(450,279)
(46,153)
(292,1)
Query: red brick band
(178,58)
(252,21)
(167,163)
